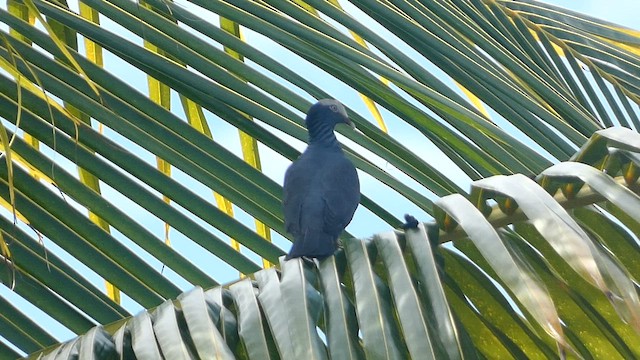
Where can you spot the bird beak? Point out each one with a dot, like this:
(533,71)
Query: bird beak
(351,124)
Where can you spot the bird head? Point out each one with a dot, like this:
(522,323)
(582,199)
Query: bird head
(329,111)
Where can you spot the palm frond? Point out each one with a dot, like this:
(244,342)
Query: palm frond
(548,77)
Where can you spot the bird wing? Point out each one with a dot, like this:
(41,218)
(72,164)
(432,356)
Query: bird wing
(341,194)
(295,189)
(321,193)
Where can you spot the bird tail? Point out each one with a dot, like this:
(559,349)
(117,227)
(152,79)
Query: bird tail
(313,244)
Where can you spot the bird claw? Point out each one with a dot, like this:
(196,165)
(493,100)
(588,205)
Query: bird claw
(308,261)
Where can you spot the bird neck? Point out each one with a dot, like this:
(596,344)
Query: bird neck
(322,134)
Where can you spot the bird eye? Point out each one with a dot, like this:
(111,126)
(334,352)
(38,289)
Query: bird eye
(333,108)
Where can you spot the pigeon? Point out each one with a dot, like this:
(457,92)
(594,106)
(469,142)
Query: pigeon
(321,187)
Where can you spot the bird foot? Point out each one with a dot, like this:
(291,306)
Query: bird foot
(308,260)
(305,259)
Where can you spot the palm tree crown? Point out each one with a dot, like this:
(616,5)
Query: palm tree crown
(509,128)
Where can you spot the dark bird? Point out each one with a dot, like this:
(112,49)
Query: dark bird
(410,222)
(321,188)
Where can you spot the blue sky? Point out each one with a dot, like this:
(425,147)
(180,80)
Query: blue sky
(623,12)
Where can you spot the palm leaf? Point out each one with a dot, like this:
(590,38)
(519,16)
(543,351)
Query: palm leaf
(502,313)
